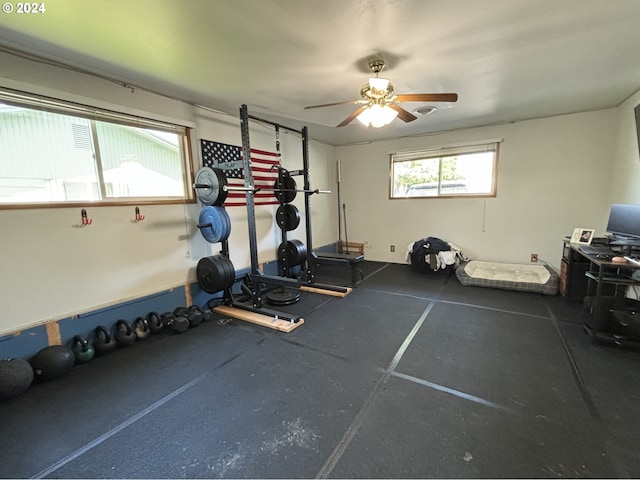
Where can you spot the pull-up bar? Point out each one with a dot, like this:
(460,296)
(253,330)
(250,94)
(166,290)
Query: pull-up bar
(274,124)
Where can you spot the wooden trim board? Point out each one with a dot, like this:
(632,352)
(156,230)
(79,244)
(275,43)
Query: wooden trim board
(258,318)
(325,292)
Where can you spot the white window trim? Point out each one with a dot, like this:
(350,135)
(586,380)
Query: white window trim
(450,150)
(63,106)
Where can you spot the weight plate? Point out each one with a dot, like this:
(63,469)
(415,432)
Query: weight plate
(288,217)
(285,182)
(229,271)
(215,273)
(209,194)
(222,181)
(210,223)
(292,253)
(210,186)
(302,251)
(226,221)
(283,296)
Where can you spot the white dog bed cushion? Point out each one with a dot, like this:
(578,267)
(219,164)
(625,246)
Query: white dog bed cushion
(509,276)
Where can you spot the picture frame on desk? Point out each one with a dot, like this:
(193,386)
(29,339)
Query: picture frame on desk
(582,236)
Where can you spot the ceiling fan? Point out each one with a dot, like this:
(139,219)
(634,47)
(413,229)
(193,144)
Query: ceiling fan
(378,97)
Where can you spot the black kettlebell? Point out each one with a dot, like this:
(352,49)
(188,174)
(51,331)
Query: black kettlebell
(155,322)
(141,328)
(166,317)
(125,335)
(82,349)
(194,315)
(103,342)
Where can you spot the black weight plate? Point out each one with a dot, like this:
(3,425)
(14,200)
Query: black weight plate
(292,253)
(285,182)
(301,251)
(208,275)
(230,272)
(283,297)
(222,269)
(222,182)
(213,216)
(288,217)
(215,273)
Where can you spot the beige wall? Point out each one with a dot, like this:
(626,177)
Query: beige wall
(554,174)
(52,270)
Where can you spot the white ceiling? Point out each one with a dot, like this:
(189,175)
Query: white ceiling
(508,60)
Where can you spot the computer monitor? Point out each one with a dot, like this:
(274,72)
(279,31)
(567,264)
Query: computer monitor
(624,223)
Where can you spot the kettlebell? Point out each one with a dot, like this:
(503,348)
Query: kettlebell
(194,315)
(155,322)
(103,342)
(166,317)
(82,349)
(125,335)
(141,328)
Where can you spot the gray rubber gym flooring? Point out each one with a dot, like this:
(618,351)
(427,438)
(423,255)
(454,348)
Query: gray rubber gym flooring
(409,376)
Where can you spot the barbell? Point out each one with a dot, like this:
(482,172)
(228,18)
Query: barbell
(212,187)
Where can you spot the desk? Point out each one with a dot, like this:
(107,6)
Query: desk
(582,274)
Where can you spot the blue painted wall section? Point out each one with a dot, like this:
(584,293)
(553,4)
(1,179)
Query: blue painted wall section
(26,343)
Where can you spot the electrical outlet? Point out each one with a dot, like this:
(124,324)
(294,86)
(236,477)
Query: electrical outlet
(534,257)
(393,248)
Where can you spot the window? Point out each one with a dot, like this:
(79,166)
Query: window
(54,153)
(456,171)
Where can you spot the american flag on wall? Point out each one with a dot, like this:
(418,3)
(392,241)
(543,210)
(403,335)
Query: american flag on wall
(216,154)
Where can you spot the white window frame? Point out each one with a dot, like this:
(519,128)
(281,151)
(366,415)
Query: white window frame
(445,188)
(96,114)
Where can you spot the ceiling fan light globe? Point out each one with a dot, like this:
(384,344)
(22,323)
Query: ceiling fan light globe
(379,86)
(377,116)
(365,117)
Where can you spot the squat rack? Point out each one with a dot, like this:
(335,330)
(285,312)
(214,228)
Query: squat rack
(308,275)
(254,281)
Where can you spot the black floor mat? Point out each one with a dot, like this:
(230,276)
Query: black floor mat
(408,376)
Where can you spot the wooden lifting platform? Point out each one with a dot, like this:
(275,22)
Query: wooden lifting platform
(274,320)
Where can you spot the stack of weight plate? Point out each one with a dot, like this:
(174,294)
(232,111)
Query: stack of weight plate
(291,253)
(215,273)
(214,224)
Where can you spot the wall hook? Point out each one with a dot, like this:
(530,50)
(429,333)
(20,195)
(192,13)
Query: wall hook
(139,217)
(84,219)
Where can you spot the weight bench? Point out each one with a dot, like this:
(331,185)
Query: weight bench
(353,259)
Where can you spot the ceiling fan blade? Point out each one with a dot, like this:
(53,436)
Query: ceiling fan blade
(402,113)
(427,97)
(333,104)
(351,117)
